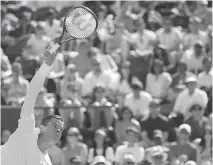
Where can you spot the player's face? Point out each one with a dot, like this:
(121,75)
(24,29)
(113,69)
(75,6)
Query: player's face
(54,130)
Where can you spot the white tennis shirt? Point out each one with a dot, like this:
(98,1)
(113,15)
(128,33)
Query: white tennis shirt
(21,148)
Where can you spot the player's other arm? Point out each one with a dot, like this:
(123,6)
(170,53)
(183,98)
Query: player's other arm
(36,85)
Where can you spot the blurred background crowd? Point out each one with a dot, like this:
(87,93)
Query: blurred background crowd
(137,92)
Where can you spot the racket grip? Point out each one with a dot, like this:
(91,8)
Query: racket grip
(54,48)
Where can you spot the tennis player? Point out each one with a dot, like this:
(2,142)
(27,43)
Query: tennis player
(28,145)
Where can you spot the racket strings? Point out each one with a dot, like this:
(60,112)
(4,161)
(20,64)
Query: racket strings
(80,23)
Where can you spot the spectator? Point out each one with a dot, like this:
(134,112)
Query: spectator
(190,163)
(5,136)
(205,77)
(56,155)
(100,147)
(125,120)
(169,36)
(53,27)
(74,147)
(158,81)
(194,57)
(197,121)
(195,33)
(138,100)
(95,76)
(6,69)
(82,57)
(75,161)
(190,95)
(155,121)
(131,147)
(18,85)
(100,160)
(183,145)
(71,84)
(38,41)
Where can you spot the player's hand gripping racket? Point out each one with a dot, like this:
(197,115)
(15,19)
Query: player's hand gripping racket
(80,22)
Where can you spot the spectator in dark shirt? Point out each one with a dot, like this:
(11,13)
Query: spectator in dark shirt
(183,146)
(155,121)
(197,121)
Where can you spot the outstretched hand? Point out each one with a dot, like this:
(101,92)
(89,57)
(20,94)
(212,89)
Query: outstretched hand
(48,57)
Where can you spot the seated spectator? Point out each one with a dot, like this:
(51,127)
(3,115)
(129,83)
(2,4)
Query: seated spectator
(43,106)
(183,146)
(158,81)
(155,121)
(29,64)
(131,147)
(18,85)
(95,76)
(125,120)
(82,57)
(190,163)
(101,112)
(197,121)
(138,100)
(205,77)
(38,41)
(190,95)
(194,57)
(100,147)
(71,84)
(5,135)
(6,69)
(74,148)
(129,159)
(100,160)
(53,27)
(195,33)
(169,36)
(56,155)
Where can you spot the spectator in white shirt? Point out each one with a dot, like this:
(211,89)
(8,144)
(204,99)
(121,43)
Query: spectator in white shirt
(131,147)
(205,77)
(189,96)
(158,81)
(96,76)
(195,33)
(169,36)
(138,100)
(194,57)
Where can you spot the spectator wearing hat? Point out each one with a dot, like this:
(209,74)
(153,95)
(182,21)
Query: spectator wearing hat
(205,77)
(197,121)
(189,96)
(100,147)
(194,57)
(169,36)
(100,160)
(195,33)
(158,81)
(95,76)
(155,121)
(18,85)
(125,120)
(74,148)
(138,100)
(183,146)
(131,147)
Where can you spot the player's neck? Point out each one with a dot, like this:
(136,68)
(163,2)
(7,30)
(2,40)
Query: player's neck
(43,145)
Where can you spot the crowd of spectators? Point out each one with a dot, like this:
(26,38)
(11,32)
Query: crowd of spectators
(137,92)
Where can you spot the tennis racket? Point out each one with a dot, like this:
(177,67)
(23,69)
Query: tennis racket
(80,22)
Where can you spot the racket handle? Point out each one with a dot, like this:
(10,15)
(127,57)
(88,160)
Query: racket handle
(54,48)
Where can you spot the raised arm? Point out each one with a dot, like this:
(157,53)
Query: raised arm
(36,85)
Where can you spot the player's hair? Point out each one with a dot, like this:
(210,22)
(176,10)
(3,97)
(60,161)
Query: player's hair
(46,120)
